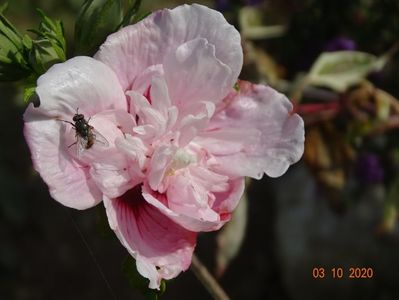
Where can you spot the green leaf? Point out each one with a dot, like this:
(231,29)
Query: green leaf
(52,30)
(44,54)
(140,283)
(96,20)
(13,63)
(27,42)
(20,57)
(130,16)
(29,91)
(342,69)
(48,48)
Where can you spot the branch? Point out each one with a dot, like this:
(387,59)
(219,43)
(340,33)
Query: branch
(207,280)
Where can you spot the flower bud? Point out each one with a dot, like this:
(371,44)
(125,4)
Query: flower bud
(96,20)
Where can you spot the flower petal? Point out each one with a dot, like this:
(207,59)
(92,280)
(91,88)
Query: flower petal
(135,48)
(134,148)
(159,201)
(191,124)
(194,74)
(159,94)
(143,81)
(227,201)
(274,140)
(111,174)
(68,182)
(184,205)
(80,82)
(160,160)
(162,248)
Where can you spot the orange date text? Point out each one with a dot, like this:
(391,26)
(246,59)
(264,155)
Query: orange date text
(341,273)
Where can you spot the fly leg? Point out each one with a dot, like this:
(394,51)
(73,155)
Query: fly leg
(72,144)
(67,122)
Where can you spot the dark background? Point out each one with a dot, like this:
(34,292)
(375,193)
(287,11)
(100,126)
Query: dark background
(294,223)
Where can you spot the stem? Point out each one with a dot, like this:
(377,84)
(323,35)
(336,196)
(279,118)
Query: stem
(207,280)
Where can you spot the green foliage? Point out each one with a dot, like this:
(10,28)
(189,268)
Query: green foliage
(22,57)
(47,49)
(13,62)
(53,31)
(99,18)
(131,15)
(96,20)
(29,91)
(140,283)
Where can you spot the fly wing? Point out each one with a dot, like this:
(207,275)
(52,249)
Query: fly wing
(98,137)
(81,145)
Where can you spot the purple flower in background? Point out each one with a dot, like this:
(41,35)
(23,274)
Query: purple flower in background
(340,43)
(369,168)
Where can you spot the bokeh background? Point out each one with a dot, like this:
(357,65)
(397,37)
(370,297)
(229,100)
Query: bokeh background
(336,208)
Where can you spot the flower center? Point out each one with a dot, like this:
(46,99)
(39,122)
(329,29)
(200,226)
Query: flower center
(181,159)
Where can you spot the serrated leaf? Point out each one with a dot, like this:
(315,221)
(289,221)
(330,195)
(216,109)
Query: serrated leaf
(49,47)
(52,30)
(342,69)
(139,282)
(230,238)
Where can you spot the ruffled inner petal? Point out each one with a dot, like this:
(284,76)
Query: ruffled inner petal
(197,199)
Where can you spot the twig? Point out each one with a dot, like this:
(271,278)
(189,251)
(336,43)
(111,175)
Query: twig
(207,280)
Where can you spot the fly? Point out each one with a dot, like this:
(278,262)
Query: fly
(86,135)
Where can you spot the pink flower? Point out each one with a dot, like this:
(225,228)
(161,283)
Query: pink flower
(180,138)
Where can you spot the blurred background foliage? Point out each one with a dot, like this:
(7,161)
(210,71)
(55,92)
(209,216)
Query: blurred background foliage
(336,208)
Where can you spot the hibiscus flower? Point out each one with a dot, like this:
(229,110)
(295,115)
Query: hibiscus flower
(180,138)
